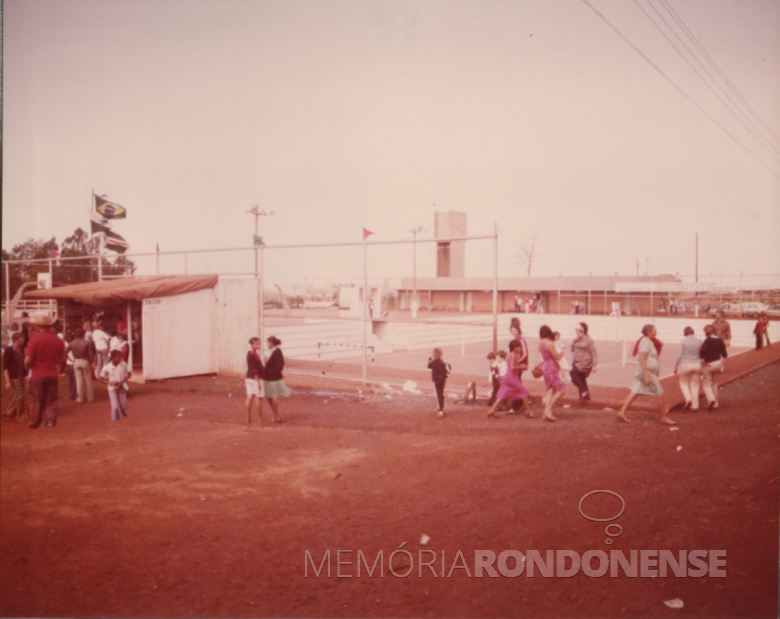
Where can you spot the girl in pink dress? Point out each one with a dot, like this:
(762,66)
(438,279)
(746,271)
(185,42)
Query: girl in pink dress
(551,371)
(511,386)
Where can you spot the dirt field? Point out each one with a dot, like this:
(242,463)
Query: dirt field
(182,510)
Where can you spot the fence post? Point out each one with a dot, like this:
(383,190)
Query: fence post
(495,288)
(365,309)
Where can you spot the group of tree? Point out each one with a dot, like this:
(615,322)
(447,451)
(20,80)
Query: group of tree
(64,272)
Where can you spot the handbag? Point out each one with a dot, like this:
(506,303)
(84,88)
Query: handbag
(537,371)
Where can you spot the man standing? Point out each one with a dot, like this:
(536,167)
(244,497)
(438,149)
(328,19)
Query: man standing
(101,340)
(722,328)
(82,366)
(45,354)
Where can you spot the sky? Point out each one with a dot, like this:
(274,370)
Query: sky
(577,122)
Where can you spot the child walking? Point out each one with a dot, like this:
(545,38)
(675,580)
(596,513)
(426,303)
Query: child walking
(494,377)
(273,384)
(439,373)
(254,379)
(115,373)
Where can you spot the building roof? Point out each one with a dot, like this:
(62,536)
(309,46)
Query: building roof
(525,284)
(117,291)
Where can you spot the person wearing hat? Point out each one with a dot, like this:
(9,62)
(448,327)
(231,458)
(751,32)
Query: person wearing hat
(45,353)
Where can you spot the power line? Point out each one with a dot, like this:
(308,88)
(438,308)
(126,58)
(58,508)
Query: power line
(722,75)
(680,90)
(752,130)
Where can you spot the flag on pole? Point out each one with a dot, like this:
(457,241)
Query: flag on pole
(116,243)
(366,233)
(257,240)
(158,248)
(109,210)
(98,222)
(55,253)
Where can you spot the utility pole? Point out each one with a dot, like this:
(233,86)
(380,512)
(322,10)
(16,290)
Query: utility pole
(414,232)
(258,276)
(258,213)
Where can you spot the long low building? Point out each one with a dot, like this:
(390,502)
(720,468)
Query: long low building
(595,294)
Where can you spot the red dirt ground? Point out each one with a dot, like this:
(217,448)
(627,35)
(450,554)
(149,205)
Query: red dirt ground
(182,510)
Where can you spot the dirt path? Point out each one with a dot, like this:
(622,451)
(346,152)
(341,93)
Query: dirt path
(183,511)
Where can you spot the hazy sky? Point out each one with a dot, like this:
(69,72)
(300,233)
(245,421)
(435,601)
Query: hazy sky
(338,115)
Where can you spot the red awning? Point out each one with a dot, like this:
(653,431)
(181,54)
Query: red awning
(117,291)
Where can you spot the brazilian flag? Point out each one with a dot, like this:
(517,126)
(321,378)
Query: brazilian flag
(110,210)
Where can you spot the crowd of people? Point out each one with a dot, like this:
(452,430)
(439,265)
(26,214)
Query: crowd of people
(698,364)
(41,352)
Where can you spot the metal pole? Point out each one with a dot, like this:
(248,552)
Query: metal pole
(696,293)
(414,274)
(495,286)
(262,299)
(185,263)
(589,289)
(101,246)
(157,268)
(9,318)
(256,215)
(130,335)
(365,309)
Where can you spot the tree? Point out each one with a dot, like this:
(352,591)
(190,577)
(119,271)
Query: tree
(64,272)
(529,253)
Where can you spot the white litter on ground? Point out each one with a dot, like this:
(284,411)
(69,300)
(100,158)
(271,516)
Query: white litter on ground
(675,603)
(411,387)
(679,448)
(424,539)
(673,429)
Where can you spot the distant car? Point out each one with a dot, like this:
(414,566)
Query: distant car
(774,310)
(753,309)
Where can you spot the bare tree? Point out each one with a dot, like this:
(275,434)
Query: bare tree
(529,253)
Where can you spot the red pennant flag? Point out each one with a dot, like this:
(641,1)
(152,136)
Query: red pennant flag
(55,253)
(366,233)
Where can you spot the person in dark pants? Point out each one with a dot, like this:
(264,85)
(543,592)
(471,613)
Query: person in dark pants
(439,372)
(45,353)
(585,360)
(13,371)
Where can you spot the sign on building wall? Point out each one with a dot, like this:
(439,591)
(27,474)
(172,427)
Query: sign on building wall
(153,305)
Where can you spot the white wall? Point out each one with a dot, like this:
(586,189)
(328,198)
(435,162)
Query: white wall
(179,335)
(237,321)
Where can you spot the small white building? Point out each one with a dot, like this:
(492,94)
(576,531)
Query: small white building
(189,324)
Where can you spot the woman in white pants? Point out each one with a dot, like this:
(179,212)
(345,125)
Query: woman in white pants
(688,366)
(712,354)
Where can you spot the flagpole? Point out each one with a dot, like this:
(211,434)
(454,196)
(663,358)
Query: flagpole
(101,247)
